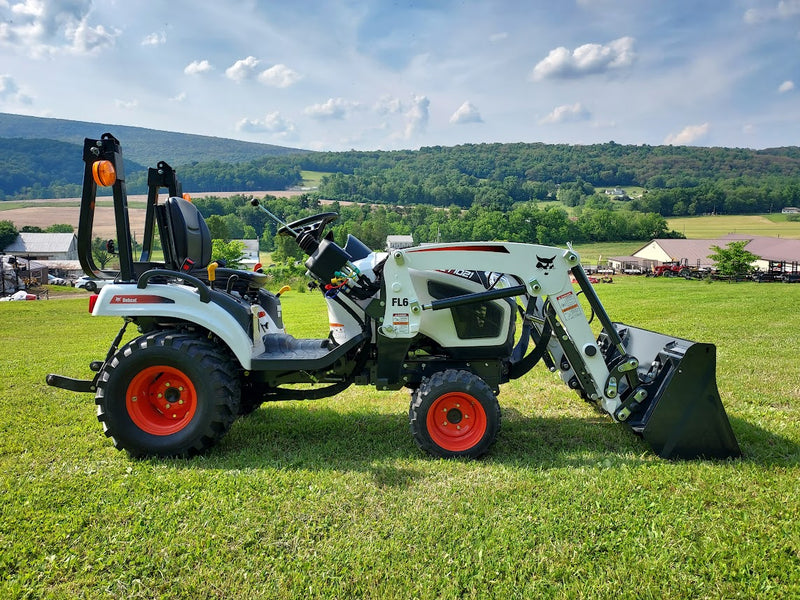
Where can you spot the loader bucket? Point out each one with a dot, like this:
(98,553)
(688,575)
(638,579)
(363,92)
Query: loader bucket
(682,416)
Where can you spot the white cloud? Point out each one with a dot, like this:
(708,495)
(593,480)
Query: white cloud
(279,76)
(754,16)
(333,108)
(498,37)
(155,39)
(567,113)
(789,8)
(90,40)
(272,123)
(388,105)
(417,116)
(43,27)
(585,60)
(785,9)
(11,93)
(8,87)
(688,135)
(242,69)
(198,67)
(126,104)
(179,98)
(786,86)
(466,113)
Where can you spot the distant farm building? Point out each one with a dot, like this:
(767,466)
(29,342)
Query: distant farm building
(44,246)
(695,253)
(250,253)
(54,252)
(397,242)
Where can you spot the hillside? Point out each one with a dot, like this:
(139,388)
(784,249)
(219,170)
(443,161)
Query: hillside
(667,180)
(143,146)
(53,167)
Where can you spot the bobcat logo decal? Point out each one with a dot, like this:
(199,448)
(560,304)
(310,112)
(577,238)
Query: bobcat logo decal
(545,264)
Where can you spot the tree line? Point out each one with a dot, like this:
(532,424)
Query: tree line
(526,222)
(679,180)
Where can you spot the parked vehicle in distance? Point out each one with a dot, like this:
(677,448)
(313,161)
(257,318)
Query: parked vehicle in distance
(90,284)
(53,280)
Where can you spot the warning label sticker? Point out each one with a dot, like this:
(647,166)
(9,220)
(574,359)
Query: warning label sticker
(400,322)
(569,305)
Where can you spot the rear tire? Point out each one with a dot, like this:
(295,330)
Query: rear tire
(168,394)
(454,414)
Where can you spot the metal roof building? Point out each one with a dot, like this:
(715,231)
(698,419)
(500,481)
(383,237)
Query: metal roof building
(696,253)
(44,246)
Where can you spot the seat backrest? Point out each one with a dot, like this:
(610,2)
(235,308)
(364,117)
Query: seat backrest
(188,233)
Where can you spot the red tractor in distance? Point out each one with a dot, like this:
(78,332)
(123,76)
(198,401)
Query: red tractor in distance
(673,268)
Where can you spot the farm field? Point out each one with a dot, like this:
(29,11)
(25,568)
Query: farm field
(332,499)
(714,226)
(313,178)
(45,212)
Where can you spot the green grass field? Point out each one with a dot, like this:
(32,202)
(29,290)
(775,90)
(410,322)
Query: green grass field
(313,178)
(332,499)
(714,226)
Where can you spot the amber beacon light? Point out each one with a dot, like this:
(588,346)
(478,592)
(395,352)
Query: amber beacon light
(103,173)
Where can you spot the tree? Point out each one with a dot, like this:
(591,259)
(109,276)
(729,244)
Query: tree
(231,252)
(286,250)
(60,228)
(100,252)
(8,233)
(218,228)
(733,261)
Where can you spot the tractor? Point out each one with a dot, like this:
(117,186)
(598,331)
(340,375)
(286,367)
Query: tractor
(451,322)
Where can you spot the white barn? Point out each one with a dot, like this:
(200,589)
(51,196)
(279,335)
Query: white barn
(44,246)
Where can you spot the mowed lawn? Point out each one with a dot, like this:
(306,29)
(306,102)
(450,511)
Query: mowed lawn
(332,499)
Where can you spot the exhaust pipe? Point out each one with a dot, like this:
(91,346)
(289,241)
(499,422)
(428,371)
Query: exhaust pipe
(682,415)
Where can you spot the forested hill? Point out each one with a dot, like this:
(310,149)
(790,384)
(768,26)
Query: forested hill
(43,168)
(609,164)
(140,145)
(668,180)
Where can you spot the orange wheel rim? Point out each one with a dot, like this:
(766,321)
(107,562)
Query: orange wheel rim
(161,400)
(456,421)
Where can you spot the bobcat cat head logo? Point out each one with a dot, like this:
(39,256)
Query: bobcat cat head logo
(545,264)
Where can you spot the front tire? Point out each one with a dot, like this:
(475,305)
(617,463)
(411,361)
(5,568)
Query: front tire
(168,394)
(454,414)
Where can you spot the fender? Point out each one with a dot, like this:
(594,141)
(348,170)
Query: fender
(176,301)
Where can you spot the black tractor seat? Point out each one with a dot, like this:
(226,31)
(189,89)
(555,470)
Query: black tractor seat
(187,238)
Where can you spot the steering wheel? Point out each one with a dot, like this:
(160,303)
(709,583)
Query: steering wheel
(314,224)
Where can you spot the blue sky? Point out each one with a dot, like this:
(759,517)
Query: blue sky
(340,75)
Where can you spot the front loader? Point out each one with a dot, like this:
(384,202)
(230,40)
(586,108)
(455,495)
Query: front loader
(440,320)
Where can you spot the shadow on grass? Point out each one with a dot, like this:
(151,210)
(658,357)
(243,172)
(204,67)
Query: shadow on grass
(305,436)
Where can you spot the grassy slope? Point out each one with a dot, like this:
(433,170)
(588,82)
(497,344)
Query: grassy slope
(714,226)
(313,178)
(331,499)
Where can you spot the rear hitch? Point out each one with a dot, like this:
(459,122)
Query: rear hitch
(73,385)
(87,385)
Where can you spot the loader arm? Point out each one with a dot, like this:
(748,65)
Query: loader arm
(543,271)
(668,394)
